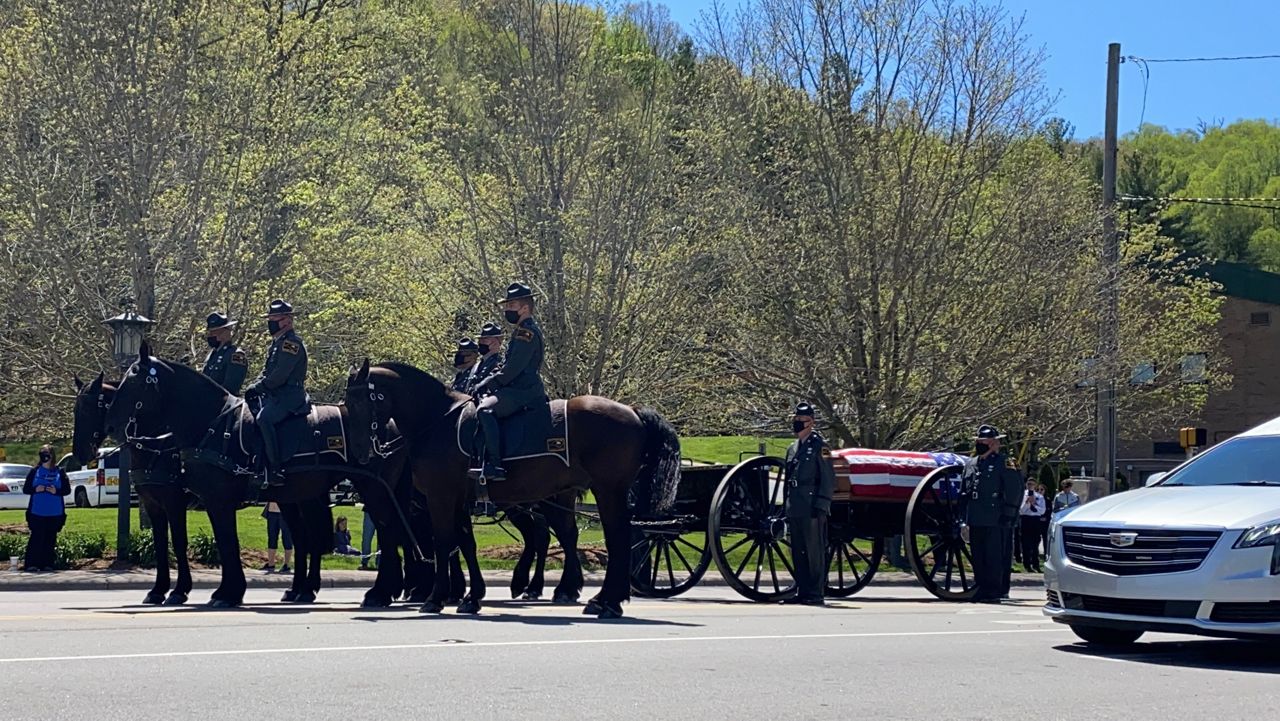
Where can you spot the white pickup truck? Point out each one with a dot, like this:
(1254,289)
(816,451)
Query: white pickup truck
(97,484)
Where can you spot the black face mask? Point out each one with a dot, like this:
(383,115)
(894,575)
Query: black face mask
(512,316)
(484,349)
(981,448)
(213,342)
(273,326)
(459,360)
(797,426)
(45,457)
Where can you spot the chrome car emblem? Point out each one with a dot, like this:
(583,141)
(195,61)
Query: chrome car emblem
(1121,540)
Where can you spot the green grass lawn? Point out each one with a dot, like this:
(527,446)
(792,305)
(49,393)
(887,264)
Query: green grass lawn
(728,449)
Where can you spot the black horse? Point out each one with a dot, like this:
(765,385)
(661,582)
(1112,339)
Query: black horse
(534,521)
(155,474)
(206,423)
(626,457)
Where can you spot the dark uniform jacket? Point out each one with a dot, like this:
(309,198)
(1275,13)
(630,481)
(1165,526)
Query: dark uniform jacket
(487,366)
(810,475)
(518,379)
(463,380)
(227,366)
(284,374)
(992,492)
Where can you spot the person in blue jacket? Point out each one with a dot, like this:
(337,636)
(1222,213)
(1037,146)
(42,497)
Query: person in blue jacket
(46,510)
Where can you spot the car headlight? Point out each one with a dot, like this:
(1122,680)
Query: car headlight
(1265,535)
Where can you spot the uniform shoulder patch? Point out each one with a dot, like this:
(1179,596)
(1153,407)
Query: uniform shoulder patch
(239,358)
(290,347)
(522,334)
(826,452)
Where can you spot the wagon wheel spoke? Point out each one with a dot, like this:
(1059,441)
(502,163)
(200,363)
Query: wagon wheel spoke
(690,544)
(760,566)
(773,569)
(735,546)
(785,563)
(653,582)
(853,566)
(679,555)
(931,549)
(746,559)
(640,559)
(671,571)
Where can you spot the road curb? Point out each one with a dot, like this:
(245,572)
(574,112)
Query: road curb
(207,580)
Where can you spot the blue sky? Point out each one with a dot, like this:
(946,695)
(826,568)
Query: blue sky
(1075,33)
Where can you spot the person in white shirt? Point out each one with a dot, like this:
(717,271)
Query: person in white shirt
(1029,519)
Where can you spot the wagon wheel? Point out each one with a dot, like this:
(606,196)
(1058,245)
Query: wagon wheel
(939,556)
(850,567)
(668,559)
(747,530)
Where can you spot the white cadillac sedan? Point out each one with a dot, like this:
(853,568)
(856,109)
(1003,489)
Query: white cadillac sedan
(1194,552)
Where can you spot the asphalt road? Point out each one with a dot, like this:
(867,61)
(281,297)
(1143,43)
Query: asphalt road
(889,653)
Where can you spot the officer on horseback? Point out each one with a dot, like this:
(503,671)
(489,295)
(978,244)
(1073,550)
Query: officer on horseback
(280,386)
(490,353)
(464,362)
(226,365)
(517,384)
(811,480)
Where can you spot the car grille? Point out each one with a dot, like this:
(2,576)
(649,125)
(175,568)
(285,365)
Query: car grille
(1151,551)
(1131,606)
(1246,612)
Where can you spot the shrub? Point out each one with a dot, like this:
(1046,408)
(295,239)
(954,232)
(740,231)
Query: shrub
(12,544)
(204,550)
(142,549)
(72,547)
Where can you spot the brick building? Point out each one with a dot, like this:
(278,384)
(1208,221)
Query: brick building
(1250,330)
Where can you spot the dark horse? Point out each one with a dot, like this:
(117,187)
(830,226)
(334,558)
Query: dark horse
(626,457)
(156,477)
(198,416)
(535,522)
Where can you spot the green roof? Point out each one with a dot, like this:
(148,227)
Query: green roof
(1245,281)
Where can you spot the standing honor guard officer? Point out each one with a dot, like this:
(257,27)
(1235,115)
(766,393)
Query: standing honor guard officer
(226,365)
(810,482)
(992,494)
(281,385)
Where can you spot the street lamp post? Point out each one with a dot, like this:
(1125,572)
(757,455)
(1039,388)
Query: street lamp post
(128,330)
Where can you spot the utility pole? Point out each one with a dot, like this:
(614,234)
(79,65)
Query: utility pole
(1104,455)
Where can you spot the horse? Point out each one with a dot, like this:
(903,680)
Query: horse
(209,425)
(156,477)
(534,522)
(629,458)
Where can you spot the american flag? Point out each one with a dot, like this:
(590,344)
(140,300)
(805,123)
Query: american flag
(886,474)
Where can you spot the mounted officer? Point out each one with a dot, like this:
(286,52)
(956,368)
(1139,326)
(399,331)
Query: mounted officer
(517,384)
(490,353)
(992,494)
(464,363)
(281,385)
(811,481)
(226,365)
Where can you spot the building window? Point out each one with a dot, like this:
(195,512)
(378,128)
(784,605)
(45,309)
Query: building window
(1143,374)
(1194,366)
(1263,318)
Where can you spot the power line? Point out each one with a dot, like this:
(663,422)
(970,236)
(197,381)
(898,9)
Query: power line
(1208,60)
(1231,202)
(1146,83)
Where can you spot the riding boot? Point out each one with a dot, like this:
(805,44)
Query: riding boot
(492,470)
(274,474)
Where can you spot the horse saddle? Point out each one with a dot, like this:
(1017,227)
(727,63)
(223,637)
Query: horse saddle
(304,436)
(539,430)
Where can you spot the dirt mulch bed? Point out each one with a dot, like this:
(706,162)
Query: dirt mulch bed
(592,556)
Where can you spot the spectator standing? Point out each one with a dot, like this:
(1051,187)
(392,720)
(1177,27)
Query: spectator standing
(1029,516)
(1066,498)
(342,538)
(369,530)
(1044,521)
(46,510)
(277,530)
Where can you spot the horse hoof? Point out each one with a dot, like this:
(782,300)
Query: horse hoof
(219,603)
(305,597)
(154,598)
(418,598)
(469,606)
(593,608)
(175,599)
(517,593)
(564,599)
(429,606)
(375,602)
(289,596)
(609,613)
(530,596)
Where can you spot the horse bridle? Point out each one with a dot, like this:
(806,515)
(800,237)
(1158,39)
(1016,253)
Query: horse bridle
(153,381)
(379,447)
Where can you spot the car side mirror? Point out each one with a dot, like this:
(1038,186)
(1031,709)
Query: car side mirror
(1154,478)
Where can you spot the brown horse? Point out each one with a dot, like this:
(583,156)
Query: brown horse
(628,458)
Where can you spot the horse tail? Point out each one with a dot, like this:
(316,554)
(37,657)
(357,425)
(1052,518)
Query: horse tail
(654,489)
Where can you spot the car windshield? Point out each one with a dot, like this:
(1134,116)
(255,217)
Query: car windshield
(1248,461)
(13,470)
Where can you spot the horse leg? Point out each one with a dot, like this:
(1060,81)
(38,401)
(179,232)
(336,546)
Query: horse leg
(615,519)
(457,580)
(230,591)
(176,508)
(445,510)
(292,515)
(565,525)
(160,539)
(320,540)
(536,539)
(390,580)
(467,549)
(420,571)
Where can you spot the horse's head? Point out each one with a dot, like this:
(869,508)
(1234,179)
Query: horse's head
(138,397)
(368,413)
(92,400)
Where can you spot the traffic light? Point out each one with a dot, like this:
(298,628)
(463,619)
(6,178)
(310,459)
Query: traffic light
(1193,437)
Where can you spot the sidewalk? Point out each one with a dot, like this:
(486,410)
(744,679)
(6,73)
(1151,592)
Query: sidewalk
(207,579)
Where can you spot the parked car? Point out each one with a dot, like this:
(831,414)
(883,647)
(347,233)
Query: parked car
(12,476)
(344,494)
(1196,551)
(94,485)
